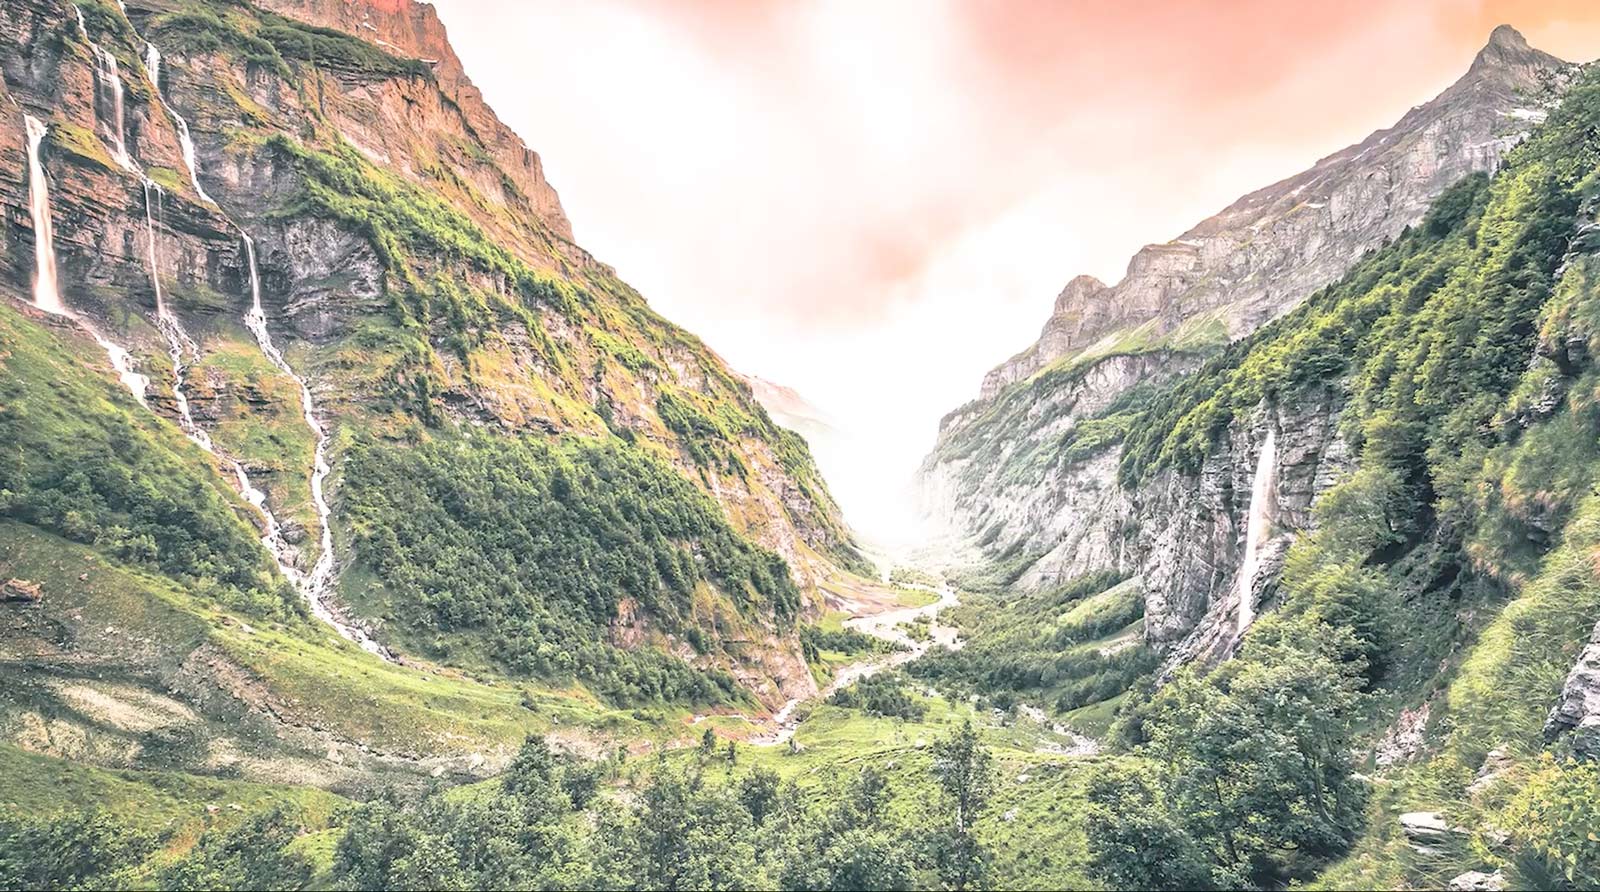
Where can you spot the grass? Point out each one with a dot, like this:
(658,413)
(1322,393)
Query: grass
(1095,719)
(914,597)
(149,626)
(164,801)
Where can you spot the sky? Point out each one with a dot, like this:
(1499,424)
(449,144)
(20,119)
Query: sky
(874,201)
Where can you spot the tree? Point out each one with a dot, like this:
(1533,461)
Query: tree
(758,793)
(708,743)
(965,772)
(533,779)
(1134,841)
(862,858)
(377,836)
(869,795)
(1258,752)
(688,837)
(85,850)
(250,856)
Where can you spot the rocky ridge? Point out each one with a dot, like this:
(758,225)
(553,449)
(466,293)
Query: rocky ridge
(1263,254)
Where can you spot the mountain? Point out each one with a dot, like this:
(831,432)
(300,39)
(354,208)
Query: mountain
(1027,473)
(1263,254)
(791,409)
(359,530)
(313,404)
(1330,592)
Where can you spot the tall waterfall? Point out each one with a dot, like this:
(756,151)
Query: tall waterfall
(46,290)
(177,339)
(313,585)
(1259,527)
(46,296)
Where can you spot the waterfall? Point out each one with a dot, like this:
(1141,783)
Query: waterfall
(177,341)
(1259,527)
(46,291)
(45,294)
(172,330)
(109,78)
(152,66)
(314,585)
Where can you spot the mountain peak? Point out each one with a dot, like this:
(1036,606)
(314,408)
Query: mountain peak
(1508,49)
(1507,37)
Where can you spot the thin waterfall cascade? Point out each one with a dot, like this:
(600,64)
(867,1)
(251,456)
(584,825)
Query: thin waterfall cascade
(46,287)
(315,584)
(109,79)
(177,339)
(1258,529)
(277,545)
(152,66)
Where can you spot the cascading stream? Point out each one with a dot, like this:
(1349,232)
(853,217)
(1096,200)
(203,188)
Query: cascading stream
(152,66)
(46,291)
(1258,528)
(313,585)
(177,339)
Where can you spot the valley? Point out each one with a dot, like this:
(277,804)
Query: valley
(360,529)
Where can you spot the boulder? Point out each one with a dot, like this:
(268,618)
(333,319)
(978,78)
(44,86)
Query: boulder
(1478,881)
(21,591)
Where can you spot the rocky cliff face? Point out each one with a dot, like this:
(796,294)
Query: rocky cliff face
(1027,475)
(1190,529)
(413,30)
(1577,710)
(1267,251)
(414,265)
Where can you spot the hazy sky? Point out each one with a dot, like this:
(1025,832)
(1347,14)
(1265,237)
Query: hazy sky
(874,202)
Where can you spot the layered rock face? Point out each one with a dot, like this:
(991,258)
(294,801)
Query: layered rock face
(1267,251)
(1578,709)
(413,30)
(1027,475)
(1189,530)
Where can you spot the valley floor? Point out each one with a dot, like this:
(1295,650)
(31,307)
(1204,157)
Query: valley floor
(81,716)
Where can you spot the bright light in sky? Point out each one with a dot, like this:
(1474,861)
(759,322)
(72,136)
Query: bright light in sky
(876,202)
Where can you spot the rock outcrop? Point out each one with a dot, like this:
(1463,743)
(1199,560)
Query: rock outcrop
(1577,712)
(413,30)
